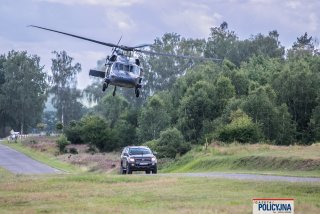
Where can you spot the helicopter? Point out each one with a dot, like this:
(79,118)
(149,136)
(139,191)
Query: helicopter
(121,69)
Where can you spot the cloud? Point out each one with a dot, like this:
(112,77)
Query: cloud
(115,3)
(121,19)
(193,20)
(293,4)
(313,23)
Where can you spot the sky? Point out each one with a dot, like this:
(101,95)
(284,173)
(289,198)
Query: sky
(141,21)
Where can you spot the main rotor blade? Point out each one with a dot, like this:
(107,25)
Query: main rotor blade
(176,55)
(142,46)
(79,37)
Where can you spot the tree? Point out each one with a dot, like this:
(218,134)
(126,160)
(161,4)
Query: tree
(286,128)
(260,106)
(153,119)
(23,90)
(49,118)
(221,42)
(297,87)
(196,106)
(125,133)
(224,91)
(262,69)
(315,124)
(4,117)
(275,121)
(93,92)
(304,42)
(224,44)
(64,87)
(112,107)
(161,72)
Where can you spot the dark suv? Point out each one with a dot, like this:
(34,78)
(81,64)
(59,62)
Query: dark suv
(138,158)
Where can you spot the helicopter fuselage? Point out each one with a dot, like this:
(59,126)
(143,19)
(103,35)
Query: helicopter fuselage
(123,72)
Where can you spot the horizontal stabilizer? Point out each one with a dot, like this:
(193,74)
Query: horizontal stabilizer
(96,73)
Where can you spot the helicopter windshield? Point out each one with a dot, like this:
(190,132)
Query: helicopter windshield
(126,67)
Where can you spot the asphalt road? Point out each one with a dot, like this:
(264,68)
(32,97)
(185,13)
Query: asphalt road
(19,163)
(242,176)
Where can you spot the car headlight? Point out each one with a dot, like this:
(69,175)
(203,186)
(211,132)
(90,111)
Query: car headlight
(131,159)
(154,159)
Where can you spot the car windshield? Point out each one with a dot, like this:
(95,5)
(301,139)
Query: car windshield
(139,151)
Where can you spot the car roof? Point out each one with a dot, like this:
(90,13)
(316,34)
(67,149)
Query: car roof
(137,147)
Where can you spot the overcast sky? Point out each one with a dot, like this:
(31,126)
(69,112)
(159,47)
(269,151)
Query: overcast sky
(141,21)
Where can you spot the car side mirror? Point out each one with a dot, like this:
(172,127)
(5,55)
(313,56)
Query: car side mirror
(125,154)
(155,153)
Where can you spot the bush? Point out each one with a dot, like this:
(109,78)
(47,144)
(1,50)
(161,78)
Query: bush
(241,129)
(59,126)
(73,132)
(152,144)
(73,150)
(62,142)
(96,133)
(171,143)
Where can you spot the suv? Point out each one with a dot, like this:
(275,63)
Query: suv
(138,158)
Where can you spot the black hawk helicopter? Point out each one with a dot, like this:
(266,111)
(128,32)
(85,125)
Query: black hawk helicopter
(121,69)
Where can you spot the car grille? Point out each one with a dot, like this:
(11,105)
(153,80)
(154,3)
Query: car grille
(143,159)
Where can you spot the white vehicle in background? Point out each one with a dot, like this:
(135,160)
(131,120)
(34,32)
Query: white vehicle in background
(14,135)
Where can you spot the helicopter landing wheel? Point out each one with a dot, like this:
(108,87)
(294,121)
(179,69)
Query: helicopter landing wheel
(137,91)
(105,86)
(114,91)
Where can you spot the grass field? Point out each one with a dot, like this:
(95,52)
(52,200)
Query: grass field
(87,192)
(107,193)
(251,158)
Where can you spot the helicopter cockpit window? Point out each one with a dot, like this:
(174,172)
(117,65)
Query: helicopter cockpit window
(134,69)
(121,67)
(116,66)
(126,67)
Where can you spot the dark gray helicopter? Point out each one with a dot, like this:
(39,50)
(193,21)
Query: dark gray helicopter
(121,69)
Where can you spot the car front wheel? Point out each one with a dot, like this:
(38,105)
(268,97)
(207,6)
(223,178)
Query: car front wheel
(129,171)
(122,170)
(155,171)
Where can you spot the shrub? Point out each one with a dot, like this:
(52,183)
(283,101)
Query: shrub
(62,142)
(152,144)
(241,129)
(73,132)
(171,143)
(73,150)
(96,133)
(59,126)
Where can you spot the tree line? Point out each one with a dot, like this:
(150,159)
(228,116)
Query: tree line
(258,92)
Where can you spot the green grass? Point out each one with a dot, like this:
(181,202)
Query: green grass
(258,158)
(46,158)
(105,193)
(5,175)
